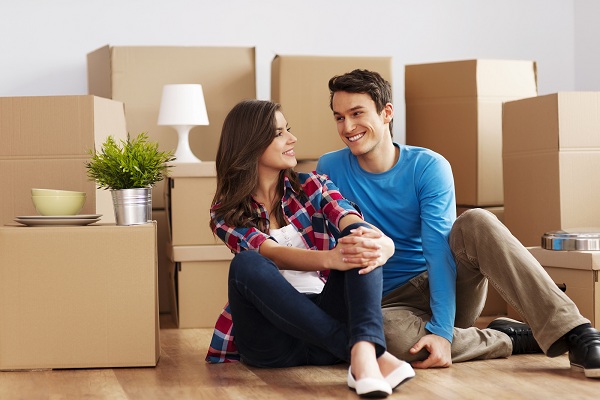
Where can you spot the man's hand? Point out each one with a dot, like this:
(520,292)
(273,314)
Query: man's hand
(440,355)
(368,247)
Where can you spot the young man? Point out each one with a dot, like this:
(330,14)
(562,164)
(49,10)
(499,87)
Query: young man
(435,285)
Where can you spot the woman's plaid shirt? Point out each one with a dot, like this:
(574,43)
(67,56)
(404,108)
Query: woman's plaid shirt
(315,213)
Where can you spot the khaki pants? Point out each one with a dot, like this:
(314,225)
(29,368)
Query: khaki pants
(485,252)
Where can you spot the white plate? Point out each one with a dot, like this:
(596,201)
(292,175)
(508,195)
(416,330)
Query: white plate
(57,221)
(61,217)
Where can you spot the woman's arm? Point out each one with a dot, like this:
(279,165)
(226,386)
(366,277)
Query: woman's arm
(365,247)
(354,249)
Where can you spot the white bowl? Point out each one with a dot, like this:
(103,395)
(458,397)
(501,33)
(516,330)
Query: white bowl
(58,205)
(55,192)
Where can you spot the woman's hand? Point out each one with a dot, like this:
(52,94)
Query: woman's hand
(364,247)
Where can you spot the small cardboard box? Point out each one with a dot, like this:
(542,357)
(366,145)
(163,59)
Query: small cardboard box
(44,144)
(577,273)
(455,109)
(191,188)
(78,297)
(551,150)
(199,284)
(136,75)
(299,84)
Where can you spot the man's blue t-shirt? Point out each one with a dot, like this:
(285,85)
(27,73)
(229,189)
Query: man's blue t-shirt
(414,204)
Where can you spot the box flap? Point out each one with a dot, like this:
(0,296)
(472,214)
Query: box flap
(506,78)
(579,120)
(41,126)
(98,72)
(559,121)
(530,125)
(471,78)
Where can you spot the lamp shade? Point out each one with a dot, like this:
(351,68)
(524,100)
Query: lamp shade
(182,105)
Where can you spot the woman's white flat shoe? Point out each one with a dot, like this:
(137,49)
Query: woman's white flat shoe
(400,375)
(369,387)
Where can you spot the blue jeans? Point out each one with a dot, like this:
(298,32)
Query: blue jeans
(276,326)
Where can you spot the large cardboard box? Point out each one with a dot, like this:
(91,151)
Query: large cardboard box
(78,297)
(455,109)
(136,75)
(191,188)
(577,273)
(551,150)
(299,84)
(44,143)
(199,284)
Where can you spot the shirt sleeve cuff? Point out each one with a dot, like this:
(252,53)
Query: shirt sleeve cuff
(436,330)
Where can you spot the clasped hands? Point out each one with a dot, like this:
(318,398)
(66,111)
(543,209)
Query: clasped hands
(364,248)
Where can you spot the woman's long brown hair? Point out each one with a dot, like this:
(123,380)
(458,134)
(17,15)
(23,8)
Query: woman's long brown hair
(248,130)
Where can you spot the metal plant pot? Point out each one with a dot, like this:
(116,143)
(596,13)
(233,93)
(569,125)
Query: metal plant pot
(132,206)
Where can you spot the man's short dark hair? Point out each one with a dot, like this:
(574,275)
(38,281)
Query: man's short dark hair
(363,81)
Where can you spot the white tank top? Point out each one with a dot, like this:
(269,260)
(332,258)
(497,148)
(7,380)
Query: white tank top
(303,281)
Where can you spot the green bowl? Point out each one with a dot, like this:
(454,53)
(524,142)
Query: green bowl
(58,205)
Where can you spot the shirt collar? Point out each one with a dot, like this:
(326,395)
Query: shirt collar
(287,185)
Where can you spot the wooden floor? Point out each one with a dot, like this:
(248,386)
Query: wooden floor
(182,374)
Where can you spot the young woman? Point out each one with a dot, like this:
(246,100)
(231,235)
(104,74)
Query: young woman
(285,312)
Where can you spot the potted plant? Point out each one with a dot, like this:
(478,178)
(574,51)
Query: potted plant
(129,168)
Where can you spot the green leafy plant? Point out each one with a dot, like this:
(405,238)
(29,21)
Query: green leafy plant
(134,163)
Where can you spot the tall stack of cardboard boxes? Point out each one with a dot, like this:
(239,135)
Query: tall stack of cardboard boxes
(135,75)
(199,280)
(551,152)
(455,109)
(72,296)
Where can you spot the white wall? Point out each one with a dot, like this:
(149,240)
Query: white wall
(43,44)
(587,45)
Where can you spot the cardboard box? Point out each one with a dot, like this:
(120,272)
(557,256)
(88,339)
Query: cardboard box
(299,84)
(577,273)
(306,166)
(44,144)
(136,75)
(455,109)
(199,284)
(78,297)
(551,150)
(189,197)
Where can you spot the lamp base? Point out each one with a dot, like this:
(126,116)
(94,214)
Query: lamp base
(184,154)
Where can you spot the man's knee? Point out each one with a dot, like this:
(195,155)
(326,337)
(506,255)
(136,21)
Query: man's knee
(403,328)
(474,217)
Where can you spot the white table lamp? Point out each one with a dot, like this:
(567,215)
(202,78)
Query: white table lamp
(182,107)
